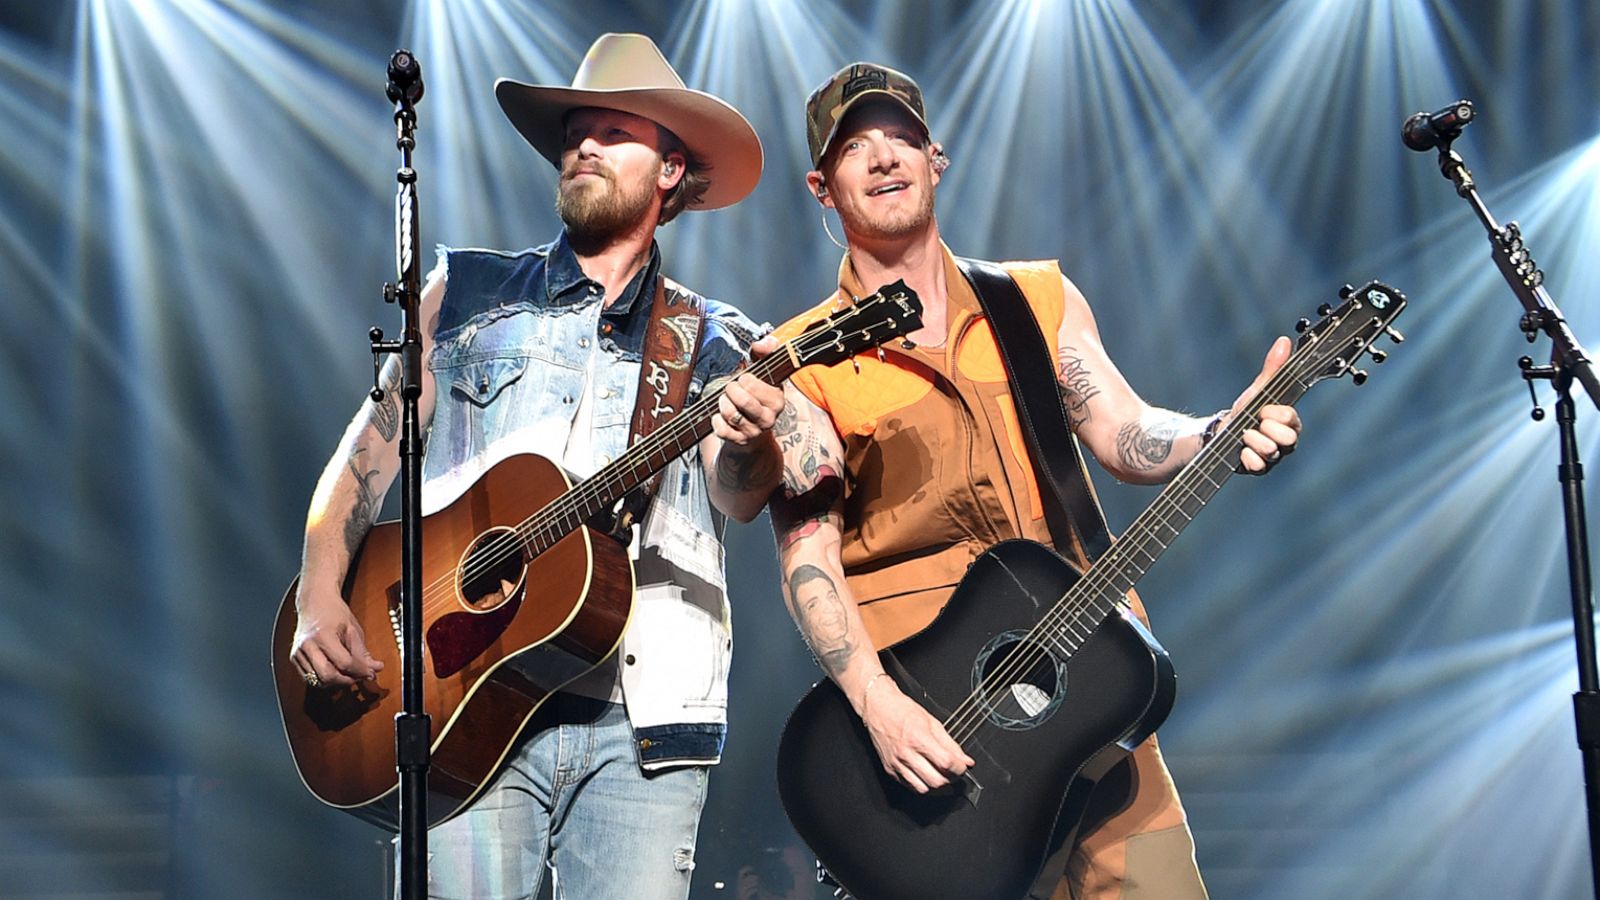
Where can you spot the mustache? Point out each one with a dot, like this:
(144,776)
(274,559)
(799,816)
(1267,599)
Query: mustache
(575,169)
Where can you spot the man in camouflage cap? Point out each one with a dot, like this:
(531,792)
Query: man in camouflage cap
(926,436)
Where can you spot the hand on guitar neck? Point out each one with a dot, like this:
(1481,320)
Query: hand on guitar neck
(1275,435)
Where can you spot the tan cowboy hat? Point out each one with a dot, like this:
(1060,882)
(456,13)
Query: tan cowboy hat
(627,72)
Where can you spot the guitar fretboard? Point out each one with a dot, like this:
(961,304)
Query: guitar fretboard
(601,492)
(891,312)
(1096,595)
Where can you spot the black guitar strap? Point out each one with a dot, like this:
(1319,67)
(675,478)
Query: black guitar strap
(1069,505)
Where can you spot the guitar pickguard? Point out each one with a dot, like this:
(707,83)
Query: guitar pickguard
(460,637)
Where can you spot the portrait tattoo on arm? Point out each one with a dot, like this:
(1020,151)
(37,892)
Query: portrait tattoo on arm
(1077,387)
(1142,448)
(819,611)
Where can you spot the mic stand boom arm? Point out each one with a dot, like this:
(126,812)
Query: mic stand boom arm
(1527,281)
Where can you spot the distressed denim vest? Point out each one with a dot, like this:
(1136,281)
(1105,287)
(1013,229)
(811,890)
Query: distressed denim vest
(513,349)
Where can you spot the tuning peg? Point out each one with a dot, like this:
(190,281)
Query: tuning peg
(1324,309)
(1394,335)
(1378,356)
(1301,326)
(1345,292)
(1359,376)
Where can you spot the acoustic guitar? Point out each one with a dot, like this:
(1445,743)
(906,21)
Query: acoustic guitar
(1042,674)
(521,524)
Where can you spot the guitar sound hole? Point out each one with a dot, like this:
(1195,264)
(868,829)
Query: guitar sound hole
(1020,681)
(492,569)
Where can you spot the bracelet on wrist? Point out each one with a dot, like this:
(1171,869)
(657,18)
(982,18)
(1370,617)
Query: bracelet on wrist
(866,692)
(1213,426)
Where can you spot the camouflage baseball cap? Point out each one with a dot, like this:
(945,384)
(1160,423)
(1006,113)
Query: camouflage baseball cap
(848,86)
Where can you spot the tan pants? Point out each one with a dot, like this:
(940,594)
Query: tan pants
(1134,843)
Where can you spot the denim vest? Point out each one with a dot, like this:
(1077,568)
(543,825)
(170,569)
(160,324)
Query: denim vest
(516,338)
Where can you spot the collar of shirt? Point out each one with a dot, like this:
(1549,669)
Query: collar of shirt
(565,283)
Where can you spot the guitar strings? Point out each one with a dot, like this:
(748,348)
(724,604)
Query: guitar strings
(582,501)
(1068,611)
(1064,616)
(564,515)
(1229,443)
(545,527)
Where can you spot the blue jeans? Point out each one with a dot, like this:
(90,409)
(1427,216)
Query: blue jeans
(571,796)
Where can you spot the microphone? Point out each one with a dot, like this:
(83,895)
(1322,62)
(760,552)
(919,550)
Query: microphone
(405,78)
(1425,131)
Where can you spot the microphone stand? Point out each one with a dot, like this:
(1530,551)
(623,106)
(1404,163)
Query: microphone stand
(413,726)
(1568,362)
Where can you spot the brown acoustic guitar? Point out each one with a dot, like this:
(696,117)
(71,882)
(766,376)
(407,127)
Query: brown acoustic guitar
(523,524)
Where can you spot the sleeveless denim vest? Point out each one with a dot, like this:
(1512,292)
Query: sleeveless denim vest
(511,356)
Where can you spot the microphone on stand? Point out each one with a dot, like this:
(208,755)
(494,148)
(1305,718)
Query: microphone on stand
(405,78)
(1425,131)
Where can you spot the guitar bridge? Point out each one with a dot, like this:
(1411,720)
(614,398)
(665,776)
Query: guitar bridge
(972,788)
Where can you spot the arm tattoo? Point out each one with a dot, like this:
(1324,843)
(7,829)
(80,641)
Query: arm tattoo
(386,412)
(1142,449)
(788,420)
(819,611)
(1077,387)
(807,461)
(739,467)
(812,481)
(368,502)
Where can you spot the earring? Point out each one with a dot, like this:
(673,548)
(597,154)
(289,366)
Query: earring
(829,232)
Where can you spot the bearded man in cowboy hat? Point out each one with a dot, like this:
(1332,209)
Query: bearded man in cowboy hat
(542,351)
(927,439)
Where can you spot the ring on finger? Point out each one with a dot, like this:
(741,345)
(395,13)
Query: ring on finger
(312,679)
(736,419)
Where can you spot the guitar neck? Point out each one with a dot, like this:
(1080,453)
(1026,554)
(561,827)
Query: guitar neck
(643,459)
(1102,588)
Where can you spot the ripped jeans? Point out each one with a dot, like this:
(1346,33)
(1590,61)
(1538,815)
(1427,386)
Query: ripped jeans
(572,798)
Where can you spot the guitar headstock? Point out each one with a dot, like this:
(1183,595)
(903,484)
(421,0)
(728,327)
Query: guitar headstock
(892,311)
(1333,345)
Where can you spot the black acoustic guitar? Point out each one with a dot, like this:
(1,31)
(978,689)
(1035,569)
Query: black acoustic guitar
(1044,676)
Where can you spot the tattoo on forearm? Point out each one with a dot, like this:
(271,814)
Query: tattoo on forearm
(819,611)
(740,467)
(788,420)
(368,502)
(1143,448)
(797,516)
(1077,387)
(386,412)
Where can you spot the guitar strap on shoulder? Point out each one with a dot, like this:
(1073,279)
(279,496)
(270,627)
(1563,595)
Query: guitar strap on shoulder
(666,364)
(1069,505)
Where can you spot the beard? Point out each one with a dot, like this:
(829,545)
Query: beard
(895,223)
(595,210)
